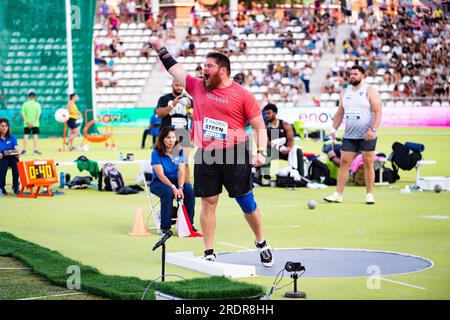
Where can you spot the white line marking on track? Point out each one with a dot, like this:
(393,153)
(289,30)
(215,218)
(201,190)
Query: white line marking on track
(402,283)
(234,246)
(14,268)
(53,296)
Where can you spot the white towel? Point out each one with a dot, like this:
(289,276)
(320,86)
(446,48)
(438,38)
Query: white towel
(292,158)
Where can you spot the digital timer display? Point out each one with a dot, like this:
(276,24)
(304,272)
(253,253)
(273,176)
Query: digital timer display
(37,173)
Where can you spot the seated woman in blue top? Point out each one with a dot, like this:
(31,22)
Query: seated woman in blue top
(168,177)
(8,143)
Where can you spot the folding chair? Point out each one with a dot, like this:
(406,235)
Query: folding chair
(155,206)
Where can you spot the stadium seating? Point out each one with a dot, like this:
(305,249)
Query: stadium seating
(261,50)
(39,65)
(131,71)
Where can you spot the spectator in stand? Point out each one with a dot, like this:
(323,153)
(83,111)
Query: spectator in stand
(98,81)
(113,81)
(145,52)
(243,48)
(121,51)
(123,10)
(131,7)
(249,79)
(114,21)
(146,9)
(306,77)
(396,94)
(328,86)
(151,23)
(191,50)
(104,11)
(332,32)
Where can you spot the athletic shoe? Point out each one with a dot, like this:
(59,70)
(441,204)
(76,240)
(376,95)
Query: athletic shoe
(23,152)
(3,192)
(37,152)
(370,199)
(16,191)
(210,255)
(335,197)
(265,254)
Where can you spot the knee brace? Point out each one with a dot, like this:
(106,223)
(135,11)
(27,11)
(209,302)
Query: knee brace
(247,203)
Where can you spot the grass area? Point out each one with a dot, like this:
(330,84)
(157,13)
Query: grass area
(20,282)
(91,227)
(57,269)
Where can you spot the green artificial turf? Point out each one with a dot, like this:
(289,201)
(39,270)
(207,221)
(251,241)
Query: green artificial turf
(54,267)
(92,227)
(20,282)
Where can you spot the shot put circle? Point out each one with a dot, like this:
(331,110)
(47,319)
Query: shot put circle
(332,263)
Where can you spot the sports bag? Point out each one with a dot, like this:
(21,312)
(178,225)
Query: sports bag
(112,178)
(403,158)
(318,171)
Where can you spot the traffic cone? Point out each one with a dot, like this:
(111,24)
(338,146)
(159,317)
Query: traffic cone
(139,227)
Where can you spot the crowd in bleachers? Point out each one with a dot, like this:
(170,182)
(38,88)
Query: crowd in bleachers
(277,53)
(405,56)
(122,64)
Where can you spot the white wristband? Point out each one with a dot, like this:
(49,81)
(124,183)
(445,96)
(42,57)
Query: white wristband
(173,186)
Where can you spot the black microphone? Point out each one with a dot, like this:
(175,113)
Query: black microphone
(163,239)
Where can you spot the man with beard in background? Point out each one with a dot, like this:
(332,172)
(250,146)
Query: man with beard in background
(174,111)
(360,104)
(222,109)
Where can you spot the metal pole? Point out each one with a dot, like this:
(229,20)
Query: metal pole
(69,47)
(163,261)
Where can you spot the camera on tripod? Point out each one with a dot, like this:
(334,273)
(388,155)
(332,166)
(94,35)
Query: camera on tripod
(294,267)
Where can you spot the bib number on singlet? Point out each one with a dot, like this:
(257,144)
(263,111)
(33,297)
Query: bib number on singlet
(215,129)
(353,114)
(179,123)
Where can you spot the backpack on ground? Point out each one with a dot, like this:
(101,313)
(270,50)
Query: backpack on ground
(388,175)
(79,183)
(403,158)
(112,178)
(318,171)
(288,182)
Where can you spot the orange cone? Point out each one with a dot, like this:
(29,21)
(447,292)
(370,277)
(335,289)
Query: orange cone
(139,227)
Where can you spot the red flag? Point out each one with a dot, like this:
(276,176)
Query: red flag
(184,225)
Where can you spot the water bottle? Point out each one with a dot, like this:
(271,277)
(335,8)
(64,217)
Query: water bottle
(121,156)
(62,179)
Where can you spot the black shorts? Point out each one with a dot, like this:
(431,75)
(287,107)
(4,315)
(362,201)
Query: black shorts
(72,123)
(230,168)
(32,130)
(358,145)
(333,41)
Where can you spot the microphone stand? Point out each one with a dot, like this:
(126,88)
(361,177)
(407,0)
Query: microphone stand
(163,260)
(162,242)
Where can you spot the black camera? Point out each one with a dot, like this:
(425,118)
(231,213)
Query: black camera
(294,266)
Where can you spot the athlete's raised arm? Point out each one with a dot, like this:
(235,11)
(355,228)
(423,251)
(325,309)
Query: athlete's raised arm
(175,69)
